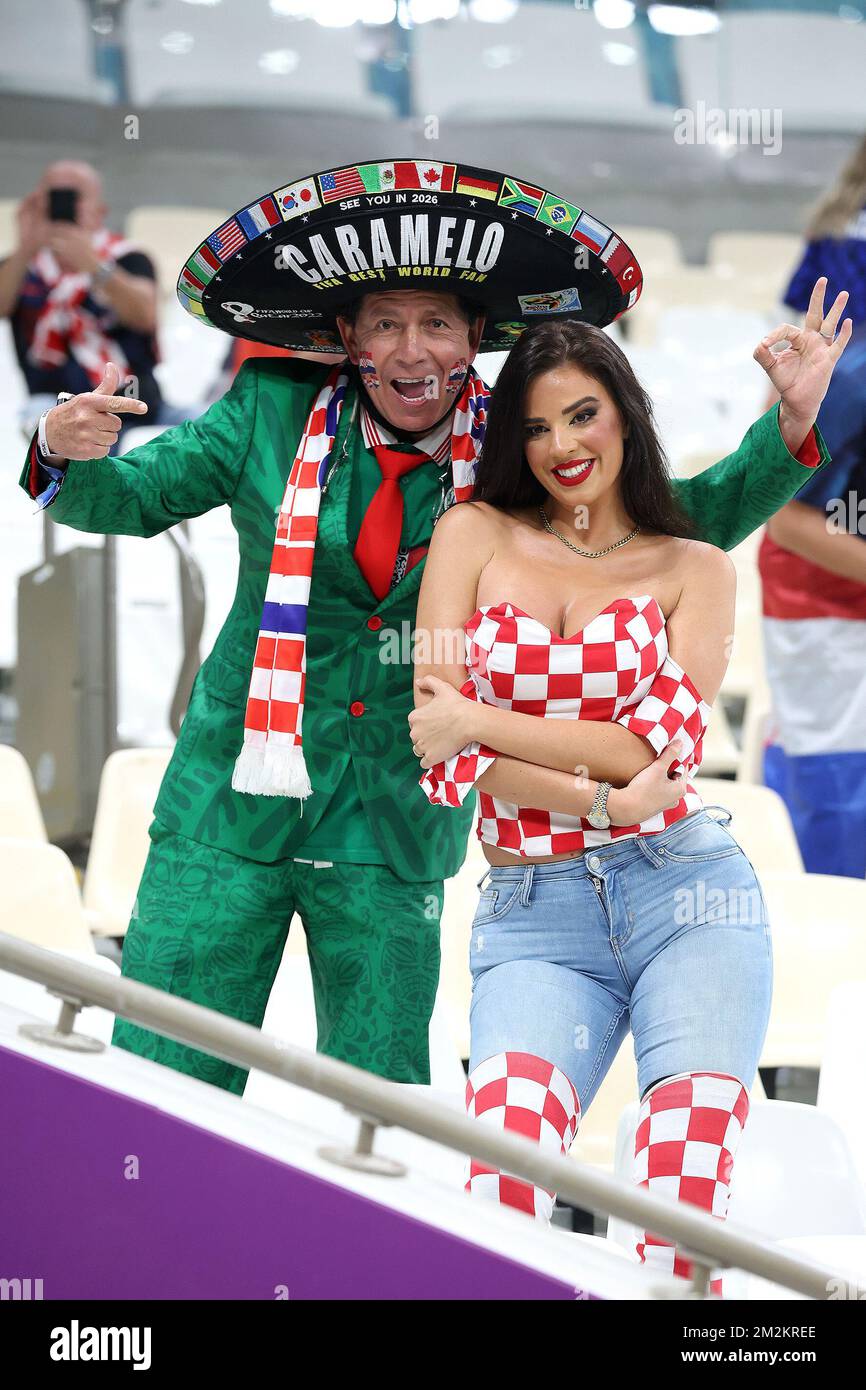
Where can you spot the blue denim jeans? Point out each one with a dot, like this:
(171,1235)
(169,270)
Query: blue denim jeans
(665,934)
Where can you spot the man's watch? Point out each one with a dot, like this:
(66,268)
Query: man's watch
(598,817)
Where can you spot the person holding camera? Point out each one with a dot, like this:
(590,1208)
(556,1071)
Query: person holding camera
(78,295)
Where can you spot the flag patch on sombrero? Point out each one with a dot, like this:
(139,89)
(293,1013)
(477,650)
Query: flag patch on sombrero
(281,269)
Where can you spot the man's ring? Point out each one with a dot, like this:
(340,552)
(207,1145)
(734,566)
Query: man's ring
(828,336)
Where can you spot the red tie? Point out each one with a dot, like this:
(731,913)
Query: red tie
(379,537)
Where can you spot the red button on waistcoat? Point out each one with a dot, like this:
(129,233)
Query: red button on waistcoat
(356,708)
(374,623)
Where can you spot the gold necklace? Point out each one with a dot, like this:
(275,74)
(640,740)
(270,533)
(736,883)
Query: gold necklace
(589,554)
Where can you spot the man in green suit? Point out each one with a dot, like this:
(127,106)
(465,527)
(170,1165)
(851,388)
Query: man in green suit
(364,858)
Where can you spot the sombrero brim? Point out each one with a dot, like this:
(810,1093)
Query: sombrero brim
(279,269)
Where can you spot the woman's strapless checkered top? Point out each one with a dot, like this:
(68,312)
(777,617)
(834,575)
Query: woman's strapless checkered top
(616,668)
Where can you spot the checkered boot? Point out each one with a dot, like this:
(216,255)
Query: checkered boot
(688,1130)
(524,1094)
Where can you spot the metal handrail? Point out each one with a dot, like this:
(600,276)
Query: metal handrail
(704,1239)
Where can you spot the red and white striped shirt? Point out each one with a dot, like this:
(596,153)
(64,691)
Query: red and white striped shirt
(616,668)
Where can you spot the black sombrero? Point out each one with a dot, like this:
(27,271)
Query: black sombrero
(278,270)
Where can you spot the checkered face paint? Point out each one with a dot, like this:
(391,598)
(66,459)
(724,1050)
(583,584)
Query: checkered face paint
(455,377)
(367,369)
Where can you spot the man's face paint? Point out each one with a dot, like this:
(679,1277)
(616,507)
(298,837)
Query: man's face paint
(418,342)
(369,375)
(456,376)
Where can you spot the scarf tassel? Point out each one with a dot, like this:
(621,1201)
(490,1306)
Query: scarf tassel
(272,771)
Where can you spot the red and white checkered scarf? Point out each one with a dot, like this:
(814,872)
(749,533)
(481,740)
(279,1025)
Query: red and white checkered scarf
(64,327)
(271,762)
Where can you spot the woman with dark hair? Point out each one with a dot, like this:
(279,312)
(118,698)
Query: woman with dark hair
(616,900)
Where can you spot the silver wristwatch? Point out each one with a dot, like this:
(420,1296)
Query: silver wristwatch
(598,817)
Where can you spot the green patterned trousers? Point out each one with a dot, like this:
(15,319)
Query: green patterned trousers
(210,926)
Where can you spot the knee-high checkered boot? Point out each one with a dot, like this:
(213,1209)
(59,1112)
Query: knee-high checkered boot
(688,1130)
(524,1094)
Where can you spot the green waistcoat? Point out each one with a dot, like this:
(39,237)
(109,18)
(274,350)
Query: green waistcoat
(239,453)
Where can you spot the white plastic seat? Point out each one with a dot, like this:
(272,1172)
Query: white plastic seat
(754,256)
(124,810)
(757,719)
(720,751)
(759,822)
(842,1083)
(819,942)
(39,897)
(844,1254)
(20,812)
(657,249)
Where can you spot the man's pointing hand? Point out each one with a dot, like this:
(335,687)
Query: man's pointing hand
(87,426)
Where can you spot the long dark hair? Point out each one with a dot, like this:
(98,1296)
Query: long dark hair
(503,477)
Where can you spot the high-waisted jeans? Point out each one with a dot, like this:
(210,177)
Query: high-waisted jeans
(665,934)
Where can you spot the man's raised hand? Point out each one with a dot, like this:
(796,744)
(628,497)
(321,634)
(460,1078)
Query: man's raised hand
(87,426)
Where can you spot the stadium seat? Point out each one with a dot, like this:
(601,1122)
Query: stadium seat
(755,735)
(657,250)
(817,923)
(844,1254)
(760,822)
(842,1083)
(20,813)
(39,898)
(124,810)
(720,751)
(738,256)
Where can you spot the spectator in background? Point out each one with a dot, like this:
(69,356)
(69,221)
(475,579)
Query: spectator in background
(813,573)
(836,243)
(78,295)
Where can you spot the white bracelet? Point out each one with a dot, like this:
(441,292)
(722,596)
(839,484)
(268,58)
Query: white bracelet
(42,440)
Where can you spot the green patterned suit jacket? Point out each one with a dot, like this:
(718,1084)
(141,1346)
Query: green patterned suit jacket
(239,454)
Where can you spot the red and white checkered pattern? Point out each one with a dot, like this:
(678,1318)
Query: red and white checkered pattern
(688,1130)
(449,783)
(271,762)
(520,1092)
(64,327)
(617,668)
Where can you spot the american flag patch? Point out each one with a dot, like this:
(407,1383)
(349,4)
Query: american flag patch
(341,183)
(227,239)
